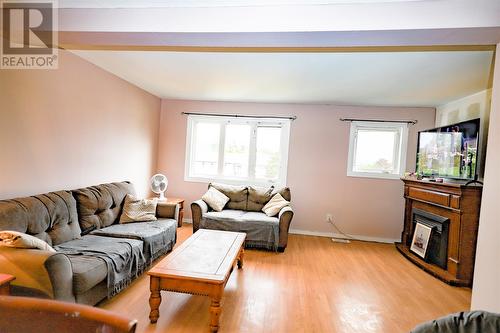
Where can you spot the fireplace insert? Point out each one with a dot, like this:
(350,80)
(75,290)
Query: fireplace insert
(437,250)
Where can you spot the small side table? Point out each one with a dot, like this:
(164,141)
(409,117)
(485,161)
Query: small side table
(180,202)
(5,280)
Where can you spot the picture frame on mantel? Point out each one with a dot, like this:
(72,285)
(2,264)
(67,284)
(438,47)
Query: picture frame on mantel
(421,238)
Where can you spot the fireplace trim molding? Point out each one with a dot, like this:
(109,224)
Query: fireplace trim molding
(456,202)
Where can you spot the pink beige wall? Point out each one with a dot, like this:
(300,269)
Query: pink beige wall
(486,288)
(75,126)
(372,208)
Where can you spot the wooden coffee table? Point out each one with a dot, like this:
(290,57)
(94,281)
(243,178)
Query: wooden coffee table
(199,266)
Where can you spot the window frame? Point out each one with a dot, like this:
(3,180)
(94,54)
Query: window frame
(401,148)
(283,123)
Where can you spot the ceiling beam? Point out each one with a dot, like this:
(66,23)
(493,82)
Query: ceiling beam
(464,39)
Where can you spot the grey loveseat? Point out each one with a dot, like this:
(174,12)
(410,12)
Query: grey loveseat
(96,256)
(243,213)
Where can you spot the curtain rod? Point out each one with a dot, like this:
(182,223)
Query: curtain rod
(412,122)
(238,115)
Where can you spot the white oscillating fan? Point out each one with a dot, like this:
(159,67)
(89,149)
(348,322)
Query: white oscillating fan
(159,185)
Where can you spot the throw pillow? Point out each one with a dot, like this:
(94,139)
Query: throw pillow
(274,205)
(138,210)
(215,199)
(21,240)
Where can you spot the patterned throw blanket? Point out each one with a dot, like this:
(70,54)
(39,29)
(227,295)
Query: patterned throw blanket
(260,234)
(158,236)
(124,260)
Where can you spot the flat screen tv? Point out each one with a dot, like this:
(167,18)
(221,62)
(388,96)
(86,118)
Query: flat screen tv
(449,151)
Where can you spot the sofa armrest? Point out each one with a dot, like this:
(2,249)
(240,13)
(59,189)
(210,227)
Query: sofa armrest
(44,271)
(198,208)
(285,218)
(61,276)
(167,210)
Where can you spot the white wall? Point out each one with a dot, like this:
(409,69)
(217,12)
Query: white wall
(72,127)
(469,107)
(317,165)
(474,106)
(486,289)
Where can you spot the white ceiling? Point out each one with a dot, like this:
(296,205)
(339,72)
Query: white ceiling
(205,3)
(274,15)
(380,78)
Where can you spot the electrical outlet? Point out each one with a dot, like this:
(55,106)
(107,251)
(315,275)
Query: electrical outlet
(329,218)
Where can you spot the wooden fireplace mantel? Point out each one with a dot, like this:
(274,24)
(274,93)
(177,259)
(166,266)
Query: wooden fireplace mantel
(460,204)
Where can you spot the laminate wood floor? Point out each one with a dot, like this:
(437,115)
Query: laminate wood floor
(314,286)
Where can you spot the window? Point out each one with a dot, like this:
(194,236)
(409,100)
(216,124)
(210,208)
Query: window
(237,150)
(377,149)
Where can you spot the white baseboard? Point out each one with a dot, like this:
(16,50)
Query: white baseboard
(328,234)
(337,235)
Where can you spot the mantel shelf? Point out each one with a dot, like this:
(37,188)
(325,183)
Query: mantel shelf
(451,184)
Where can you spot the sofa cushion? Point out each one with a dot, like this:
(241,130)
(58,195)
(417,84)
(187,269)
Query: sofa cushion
(237,195)
(158,236)
(259,217)
(466,321)
(284,191)
(262,231)
(101,205)
(51,217)
(258,197)
(87,272)
(240,216)
(225,215)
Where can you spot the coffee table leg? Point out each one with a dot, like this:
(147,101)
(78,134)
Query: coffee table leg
(215,310)
(240,258)
(154,299)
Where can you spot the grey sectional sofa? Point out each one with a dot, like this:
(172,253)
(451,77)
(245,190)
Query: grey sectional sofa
(243,213)
(96,256)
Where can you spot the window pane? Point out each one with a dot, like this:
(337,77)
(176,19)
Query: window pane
(375,151)
(236,150)
(268,153)
(206,149)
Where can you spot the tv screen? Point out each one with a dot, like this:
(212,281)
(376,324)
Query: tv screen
(449,151)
